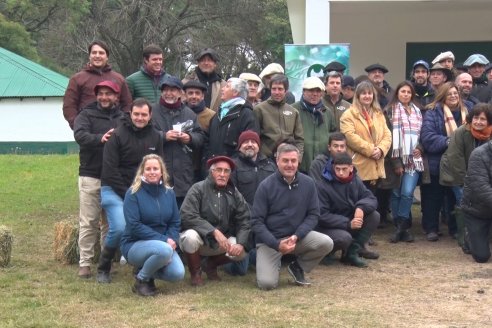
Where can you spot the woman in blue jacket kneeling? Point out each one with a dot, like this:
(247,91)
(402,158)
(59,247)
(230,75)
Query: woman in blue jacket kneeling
(152,227)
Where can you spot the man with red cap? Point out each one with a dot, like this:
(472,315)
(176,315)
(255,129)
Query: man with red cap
(214,222)
(92,128)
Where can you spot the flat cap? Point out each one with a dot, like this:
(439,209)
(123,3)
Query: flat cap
(348,81)
(313,82)
(373,67)
(272,68)
(195,84)
(442,56)
(476,59)
(216,159)
(250,77)
(108,84)
(207,51)
(171,81)
(334,66)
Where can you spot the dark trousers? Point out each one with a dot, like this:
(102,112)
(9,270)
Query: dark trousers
(434,194)
(478,233)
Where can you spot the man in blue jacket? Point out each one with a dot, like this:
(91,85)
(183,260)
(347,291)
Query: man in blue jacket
(285,212)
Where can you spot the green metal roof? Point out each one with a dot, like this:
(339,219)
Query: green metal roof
(21,78)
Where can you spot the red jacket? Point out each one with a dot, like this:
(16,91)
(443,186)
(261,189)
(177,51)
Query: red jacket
(80,90)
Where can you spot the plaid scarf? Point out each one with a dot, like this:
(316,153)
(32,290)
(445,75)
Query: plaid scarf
(406,131)
(449,121)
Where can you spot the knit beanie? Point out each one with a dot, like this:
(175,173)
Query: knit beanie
(248,135)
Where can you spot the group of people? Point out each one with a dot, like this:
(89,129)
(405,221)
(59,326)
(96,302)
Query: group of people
(237,173)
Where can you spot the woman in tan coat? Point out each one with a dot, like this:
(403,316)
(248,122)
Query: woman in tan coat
(368,136)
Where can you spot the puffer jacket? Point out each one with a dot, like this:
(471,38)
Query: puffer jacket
(141,84)
(206,208)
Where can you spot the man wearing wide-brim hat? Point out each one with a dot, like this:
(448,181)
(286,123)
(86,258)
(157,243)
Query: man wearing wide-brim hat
(439,75)
(476,67)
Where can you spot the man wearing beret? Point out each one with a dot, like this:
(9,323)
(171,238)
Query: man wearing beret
(375,73)
(180,142)
(476,67)
(317,120)
(214,222)
(206,73)
(92,128)
(334,66)
(145,82)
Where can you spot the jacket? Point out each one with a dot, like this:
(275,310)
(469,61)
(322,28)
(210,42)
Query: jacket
(142,84)
(224,134)
(89,127)
(248,174)
(477,191)
(482,90)
(212,96)
(206,208)
(336,109)
(150,214)
(424,95)
(338,201)
(124,151)
(318,165)
(80,91)
(281,209)
(454,161)
(315,135)
(277,122)
(177,156)
(361,144)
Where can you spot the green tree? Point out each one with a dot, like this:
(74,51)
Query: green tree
(14,37)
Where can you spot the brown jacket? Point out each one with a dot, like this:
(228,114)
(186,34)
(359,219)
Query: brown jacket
(80,90)
(361,144)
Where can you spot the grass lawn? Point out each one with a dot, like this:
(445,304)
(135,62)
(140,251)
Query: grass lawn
(421,284)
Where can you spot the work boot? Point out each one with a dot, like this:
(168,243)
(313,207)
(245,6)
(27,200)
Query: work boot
(297,273)
(397,235)
(104,266)
(194,265)
(84,272)
(212,263)
(406,235)
(143,288)
(351,257)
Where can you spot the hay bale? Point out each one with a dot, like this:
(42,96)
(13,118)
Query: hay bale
(65,245)
(6,241)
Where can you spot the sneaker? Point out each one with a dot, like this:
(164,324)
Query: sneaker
(84,272)
(432,236)
(297,273)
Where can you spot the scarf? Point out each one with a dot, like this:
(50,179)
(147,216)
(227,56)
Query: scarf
(198,108)
(347,179)
(208,79)
(176,105)
(316,110)
(449,121)
(482,135)
(225,107)
(370,125)
(406,131)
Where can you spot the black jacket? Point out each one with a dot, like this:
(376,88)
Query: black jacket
(177,156)
(124,152)
(338,201)
(89,127)
(248,174)
(477,192)
(482,90)
(224,134)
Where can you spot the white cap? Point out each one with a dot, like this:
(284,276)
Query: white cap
(250,77)
(442,56)
(313,82)
(272,68)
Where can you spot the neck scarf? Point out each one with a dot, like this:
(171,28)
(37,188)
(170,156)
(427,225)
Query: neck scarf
(176,105)
(198,108)
(347,179)
(367,117)
(483,135)
(316,110)
(225,107)
(406,131)
(449,121)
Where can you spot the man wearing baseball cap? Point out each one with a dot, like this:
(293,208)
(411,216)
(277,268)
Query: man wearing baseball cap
(476,67)
(180,141)
(317,120)
(424,94)
(214,223)
(206,73)
(92,128)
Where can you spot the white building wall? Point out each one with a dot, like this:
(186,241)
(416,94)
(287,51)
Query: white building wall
(33,119)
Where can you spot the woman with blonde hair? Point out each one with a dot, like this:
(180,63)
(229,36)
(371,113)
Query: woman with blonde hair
(152,227)
(444,115)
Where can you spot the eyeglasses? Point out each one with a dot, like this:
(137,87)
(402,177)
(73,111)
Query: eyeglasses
(221,170)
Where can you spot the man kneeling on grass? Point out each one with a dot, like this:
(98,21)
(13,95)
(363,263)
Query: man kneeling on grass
(285,212)
(348,208)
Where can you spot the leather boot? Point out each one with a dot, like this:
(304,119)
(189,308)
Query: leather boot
(361,238)
(104,266)
(143,288)
(212,263)
(352,256)
(194,265)
(406,235)
(396,237)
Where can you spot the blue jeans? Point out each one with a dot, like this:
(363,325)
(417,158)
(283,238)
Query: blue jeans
(239,268)
(157,259)
(112,203)
(402,198)
(458,194)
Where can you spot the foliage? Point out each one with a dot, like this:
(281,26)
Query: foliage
(14,37)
